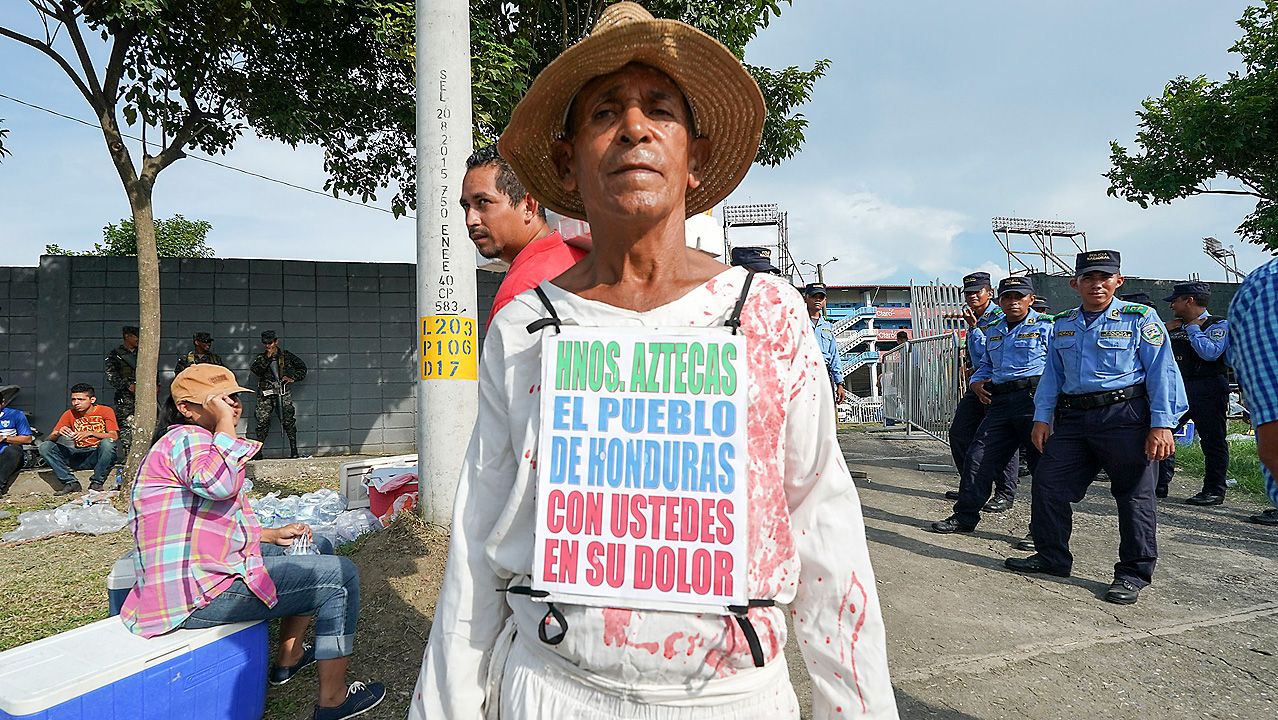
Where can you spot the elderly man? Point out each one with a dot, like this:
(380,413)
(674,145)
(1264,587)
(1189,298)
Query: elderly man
(635,128)
(505,222)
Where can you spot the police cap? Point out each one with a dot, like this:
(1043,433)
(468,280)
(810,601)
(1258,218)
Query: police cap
(813,289)
(1107,261)
(758,259)
(1014,284)
(1188,288)
(1140,297)
(202,337)
(976,282)
(1039,304)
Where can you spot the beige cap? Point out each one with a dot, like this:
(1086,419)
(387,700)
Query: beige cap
(196,383)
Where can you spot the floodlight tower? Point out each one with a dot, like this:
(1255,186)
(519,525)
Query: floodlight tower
(1224,256)
(1012,234)
(769,215)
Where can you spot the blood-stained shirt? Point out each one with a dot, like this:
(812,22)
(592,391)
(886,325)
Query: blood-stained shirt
(806,537)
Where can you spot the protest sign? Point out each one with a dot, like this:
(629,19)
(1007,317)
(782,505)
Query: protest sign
(641,472)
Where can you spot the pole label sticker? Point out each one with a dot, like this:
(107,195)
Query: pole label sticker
(448,349)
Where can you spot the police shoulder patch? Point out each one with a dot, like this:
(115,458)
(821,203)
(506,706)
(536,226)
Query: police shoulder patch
(1153,333)
(1136,309)
(1068,315)
(1216,332)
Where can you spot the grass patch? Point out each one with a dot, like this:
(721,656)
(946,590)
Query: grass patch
(1244,461)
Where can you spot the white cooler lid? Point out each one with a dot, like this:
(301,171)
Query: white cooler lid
(48,672)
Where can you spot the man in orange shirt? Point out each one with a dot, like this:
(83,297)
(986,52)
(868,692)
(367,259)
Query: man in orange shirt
(505,222)
(83,438)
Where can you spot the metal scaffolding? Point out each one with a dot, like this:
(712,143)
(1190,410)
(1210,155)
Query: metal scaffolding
(762,216)
(1029,241)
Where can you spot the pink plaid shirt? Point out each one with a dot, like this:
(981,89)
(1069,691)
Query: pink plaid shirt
(193,527)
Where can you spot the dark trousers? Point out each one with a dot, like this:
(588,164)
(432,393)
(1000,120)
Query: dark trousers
(1006,427)
(1084,441)
(1208,405)
(967,421)
(10,464)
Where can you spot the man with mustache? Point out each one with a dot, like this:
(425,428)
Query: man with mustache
(505,222)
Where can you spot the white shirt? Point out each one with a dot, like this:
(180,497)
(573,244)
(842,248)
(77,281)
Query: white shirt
(805,530)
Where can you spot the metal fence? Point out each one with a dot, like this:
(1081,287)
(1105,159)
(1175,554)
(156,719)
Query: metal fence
(922,383)
(936,309)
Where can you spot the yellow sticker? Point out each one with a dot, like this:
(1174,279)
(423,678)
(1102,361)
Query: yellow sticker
(448,348)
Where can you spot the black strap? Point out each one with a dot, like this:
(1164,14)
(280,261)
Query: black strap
(552,613)
(553,320)
(734,320)
(741,613)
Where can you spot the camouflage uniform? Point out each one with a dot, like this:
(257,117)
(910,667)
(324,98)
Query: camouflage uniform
(272,392)
(195,358)
(121,372)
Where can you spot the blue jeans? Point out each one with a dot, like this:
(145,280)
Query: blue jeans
(325,586)
(62,460)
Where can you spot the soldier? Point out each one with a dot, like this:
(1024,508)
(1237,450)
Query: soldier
(203,353)
(980,312)
(814,295)
(1010,368)
(121,374)
(1109,398)
(276,369)
(1199,341)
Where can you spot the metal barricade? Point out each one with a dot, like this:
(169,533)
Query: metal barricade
(922,383)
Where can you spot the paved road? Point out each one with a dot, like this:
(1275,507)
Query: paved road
(968,639)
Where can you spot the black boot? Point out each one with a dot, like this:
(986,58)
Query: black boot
(292,447)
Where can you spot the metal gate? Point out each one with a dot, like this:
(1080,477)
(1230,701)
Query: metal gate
(922,382)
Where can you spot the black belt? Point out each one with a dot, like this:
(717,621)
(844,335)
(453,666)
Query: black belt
(1012,386)
(1089,401)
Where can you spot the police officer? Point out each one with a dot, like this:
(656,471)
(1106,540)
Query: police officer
(1199,341)
(980,312)
(276,370)
(1109,398)
(202,353)
(1140,297)
(1040,306)
(121,373)
(814,295)
(1009,370)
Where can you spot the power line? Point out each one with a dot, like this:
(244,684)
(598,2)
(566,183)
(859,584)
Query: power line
(210,161)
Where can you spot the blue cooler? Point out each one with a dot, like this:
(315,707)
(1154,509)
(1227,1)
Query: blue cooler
(102,671)
(119,582)
(1186,434)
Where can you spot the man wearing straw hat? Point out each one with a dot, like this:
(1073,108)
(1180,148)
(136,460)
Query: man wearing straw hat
(635,128)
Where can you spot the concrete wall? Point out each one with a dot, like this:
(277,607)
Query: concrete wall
(1060,296)
(353,324)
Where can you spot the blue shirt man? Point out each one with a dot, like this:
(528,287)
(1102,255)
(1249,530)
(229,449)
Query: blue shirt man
(1109,397)
(1199,341)
(814,295)
(15,432)
(1254,357)
(1014,356)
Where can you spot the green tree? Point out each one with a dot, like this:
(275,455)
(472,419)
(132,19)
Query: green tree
(512,40)
(197,75)
(176,237)
(1200,131)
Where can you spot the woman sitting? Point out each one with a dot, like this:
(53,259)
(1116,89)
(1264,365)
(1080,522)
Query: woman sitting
(204,560)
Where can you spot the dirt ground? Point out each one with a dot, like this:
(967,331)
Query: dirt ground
(966,638)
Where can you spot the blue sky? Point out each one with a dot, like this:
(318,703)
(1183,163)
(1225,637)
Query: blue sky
(935,116)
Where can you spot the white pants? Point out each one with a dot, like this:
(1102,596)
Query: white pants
(534,689)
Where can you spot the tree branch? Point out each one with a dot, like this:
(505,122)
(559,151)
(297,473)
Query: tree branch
(55,56)
(1207,191)
(77,39)
(115,64)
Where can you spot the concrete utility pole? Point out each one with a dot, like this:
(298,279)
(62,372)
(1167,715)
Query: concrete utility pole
(447,391)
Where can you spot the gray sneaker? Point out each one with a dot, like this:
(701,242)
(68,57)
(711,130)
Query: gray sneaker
(69,489)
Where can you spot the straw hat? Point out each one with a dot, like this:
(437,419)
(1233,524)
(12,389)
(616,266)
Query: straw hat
(727,106)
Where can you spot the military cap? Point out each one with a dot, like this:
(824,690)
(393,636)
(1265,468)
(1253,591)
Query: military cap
(1107,261)
(1039,304)
(130,330)
(1140,297)
(268,336)
(758,259)
(1015,284)
(1188,288)
(814,289)
(202,337)
(976,282)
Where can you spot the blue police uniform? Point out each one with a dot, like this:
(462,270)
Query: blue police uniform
(969,412)
(1107,382)
(1200,355)
(1013,362)
(824,330)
